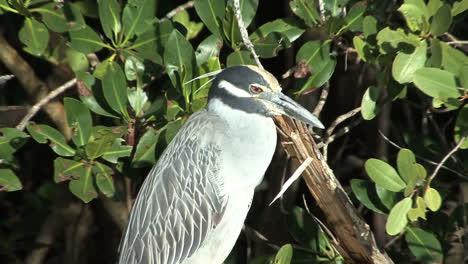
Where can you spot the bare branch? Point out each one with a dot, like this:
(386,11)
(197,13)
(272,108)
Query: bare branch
(341,119)
(245,35)
(176,10)
(323,98)
(444,159)
(33,111)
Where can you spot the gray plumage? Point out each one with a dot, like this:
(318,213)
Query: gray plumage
(193,203)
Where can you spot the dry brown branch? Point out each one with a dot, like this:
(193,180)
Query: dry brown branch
(341,119)
(323,98)
(33,111)
(176,10)
(245,35)
(34,87)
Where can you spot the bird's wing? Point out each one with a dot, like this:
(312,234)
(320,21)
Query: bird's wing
(180,202)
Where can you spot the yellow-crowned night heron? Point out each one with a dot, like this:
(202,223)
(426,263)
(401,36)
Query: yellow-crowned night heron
(193,203)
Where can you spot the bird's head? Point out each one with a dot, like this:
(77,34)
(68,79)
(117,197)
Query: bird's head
(251,89)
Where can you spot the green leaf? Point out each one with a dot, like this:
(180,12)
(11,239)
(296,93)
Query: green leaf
(303,228)
(422,173)
(86,40)
(248,10)
(436,83)
(369,26)
(9,182)
(335,7)
(361,48)
(44,133)
(200,96)
(83,187)
(150,44)
(406,163)
(416,15)
(102,139)
(171,129)
(109,15)
(66,169)
(387,197)
(424,245)
(79,120)
(138,15)
(78,61)
(459,7)
(211,12)
(366,194)
(384,175)
(436,53)
(460,129)
(104,179)
(193,28)
(318,78)
(433,6)
(137,99)
(242,57)
(180,62)
(284,255)
(369,108)
(441,21)
(419,211)
(453,60)
(289,27)
(305,9)
(89,99)
(35,36)
(114,87)
(354,18)
(134,70)
(432,199)
(231,28)
(116,151)
(405,65)
(61,17)
(270,45)
(11,139)
(208,48)
(145,150)
(388,39)
(397,219)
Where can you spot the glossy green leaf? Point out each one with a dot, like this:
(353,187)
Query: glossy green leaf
(354,18)
(384,175)
(361,48)
(200,96)
(102,139)
(9,182)
(248,10)
(436,53)
(406,163)
(436,83)
(79,120)
(315,53)
(305,9)
(67,169)
(318,78)
(114,87)
(77,61)
(432,199)
(459,7)
(461,127)
(387,198)
(61,17)
(150,44)
(231,28)
(242,57)
(405,65)
(86,40)
(91,89)
(289,27)
(335,7)
(284,255)
(109,15)
(137,99)
(270,45)
(35,36)
(391,40)
(145,150)
(369,108)
(11,139)
(116,151)
(424,245)
(433,6)
(419,211)
(83,187)
(453,60)
(104,179)
(134,70)
(193,28)
(45,133)
(369,26)
(211,13)
(366,194)
(397,219)
(208,48)
(137,17)
(441,20)
(416,15)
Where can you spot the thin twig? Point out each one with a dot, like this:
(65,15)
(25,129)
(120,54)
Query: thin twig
(322,10)
(341,119)
(444,159)
(424,159)
(177,10)
(393,240)
(33,111)
(323,98)
(245,35)
(5,78)
(458,42)
(343,131)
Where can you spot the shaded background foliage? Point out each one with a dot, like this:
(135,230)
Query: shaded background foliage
(403,63)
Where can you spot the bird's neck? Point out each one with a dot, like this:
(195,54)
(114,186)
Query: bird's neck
(236,118)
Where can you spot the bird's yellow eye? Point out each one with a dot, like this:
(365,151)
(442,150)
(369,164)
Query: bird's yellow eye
(255,89)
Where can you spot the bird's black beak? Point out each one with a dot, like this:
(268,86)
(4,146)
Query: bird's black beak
(282,104)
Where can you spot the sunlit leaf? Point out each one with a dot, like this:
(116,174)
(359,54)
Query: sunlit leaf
(83,187)
(397,219)
(384,175)
(424,245)
(9,182)
(45,133)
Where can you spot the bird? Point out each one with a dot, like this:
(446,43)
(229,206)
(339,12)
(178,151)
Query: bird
(192,205)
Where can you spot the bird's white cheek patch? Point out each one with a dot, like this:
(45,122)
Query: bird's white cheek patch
(234,90)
